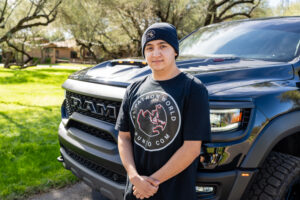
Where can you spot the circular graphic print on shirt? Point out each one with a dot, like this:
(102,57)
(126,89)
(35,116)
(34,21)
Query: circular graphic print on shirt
(156,118)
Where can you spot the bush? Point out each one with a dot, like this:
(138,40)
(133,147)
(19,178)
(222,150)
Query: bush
(47,60)
(36,60)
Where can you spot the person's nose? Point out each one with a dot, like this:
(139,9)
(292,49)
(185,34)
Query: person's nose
(156,52)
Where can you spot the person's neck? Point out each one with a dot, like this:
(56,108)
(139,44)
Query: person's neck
(163,75)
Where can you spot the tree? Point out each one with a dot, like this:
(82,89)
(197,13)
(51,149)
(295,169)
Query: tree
(115,28)
(262,10)
(18,16)
(288,8)
(87,22)
(217,10)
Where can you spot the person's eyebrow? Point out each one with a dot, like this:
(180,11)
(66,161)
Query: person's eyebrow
(163,42)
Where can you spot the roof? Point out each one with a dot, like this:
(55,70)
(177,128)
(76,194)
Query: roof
(66,44)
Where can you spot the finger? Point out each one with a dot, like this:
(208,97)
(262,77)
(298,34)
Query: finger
(150,193)
(153,181)
(138,195)
(202,158)
(154,191)
(135,193)
(151,190)
(141,196)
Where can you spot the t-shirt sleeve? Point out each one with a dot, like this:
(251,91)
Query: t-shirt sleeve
(196,116)
(122,123)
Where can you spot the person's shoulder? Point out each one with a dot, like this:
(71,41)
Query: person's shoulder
(136,84)
(196,84)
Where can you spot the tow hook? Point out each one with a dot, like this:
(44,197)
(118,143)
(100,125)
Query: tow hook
(60,159)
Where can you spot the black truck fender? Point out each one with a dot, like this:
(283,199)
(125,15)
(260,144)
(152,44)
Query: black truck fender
(276,130)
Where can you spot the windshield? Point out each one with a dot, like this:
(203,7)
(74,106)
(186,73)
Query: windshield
(251,39)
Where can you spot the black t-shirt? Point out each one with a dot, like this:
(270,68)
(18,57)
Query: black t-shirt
(160,115)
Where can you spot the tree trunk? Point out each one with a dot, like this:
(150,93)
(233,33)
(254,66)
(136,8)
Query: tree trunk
(7,64)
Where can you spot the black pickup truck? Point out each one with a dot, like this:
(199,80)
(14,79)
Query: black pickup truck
(251,69)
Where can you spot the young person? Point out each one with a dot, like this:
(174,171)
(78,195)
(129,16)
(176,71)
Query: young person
(162,122)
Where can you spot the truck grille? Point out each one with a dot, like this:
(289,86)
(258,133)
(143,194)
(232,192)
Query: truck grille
(106,115)
(92,131)
(121,179)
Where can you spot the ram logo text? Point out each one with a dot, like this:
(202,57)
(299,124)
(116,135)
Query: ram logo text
(96,108)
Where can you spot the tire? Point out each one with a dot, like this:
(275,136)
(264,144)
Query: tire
(96,195)
(279,179)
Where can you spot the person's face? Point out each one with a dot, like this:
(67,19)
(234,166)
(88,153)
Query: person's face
(160,55)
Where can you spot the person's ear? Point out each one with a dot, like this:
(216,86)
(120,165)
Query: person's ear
(176,54)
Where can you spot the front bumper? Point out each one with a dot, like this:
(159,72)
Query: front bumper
(108,188)
(101,168)
(228,185)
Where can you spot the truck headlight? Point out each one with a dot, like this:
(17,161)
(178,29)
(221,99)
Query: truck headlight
(225,119)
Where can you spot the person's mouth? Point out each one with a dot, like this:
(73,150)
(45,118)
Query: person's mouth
(157,61)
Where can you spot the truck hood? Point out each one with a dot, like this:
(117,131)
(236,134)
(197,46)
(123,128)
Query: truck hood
(218,74)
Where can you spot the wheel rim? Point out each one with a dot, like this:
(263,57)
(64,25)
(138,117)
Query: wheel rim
(294,190)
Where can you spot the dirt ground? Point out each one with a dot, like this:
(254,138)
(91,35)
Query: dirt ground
(79,191)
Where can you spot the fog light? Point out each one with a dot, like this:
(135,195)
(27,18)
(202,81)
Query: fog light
(207,189)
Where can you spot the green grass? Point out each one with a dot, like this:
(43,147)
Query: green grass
(65,65)
(74,64)
(29,117)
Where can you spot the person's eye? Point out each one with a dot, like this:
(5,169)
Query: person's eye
(163,46)
(149,48)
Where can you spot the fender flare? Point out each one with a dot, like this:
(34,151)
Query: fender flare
(275,130)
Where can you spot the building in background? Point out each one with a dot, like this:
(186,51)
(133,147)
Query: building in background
(44,51)
(62,51)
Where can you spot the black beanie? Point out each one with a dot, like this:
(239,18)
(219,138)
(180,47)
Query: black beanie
(161,31)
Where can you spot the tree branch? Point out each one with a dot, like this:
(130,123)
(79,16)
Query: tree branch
(158,10)
(2,13)
(22,52)
(220,3)
(242,14)
(12,9)
(254,7)
(30,9)
(233,4)
(55,7)
(135,23)
(104,47)
(27,20)
(127,32)
(107,37)
(88,47)
(235,14)
(168,11)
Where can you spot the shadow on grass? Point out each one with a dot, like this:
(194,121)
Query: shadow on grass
(57,70)
(38,75)
(27,105)
(29,148)
(10,120)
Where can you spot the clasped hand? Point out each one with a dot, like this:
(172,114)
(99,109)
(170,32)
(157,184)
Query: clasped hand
(144,186)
